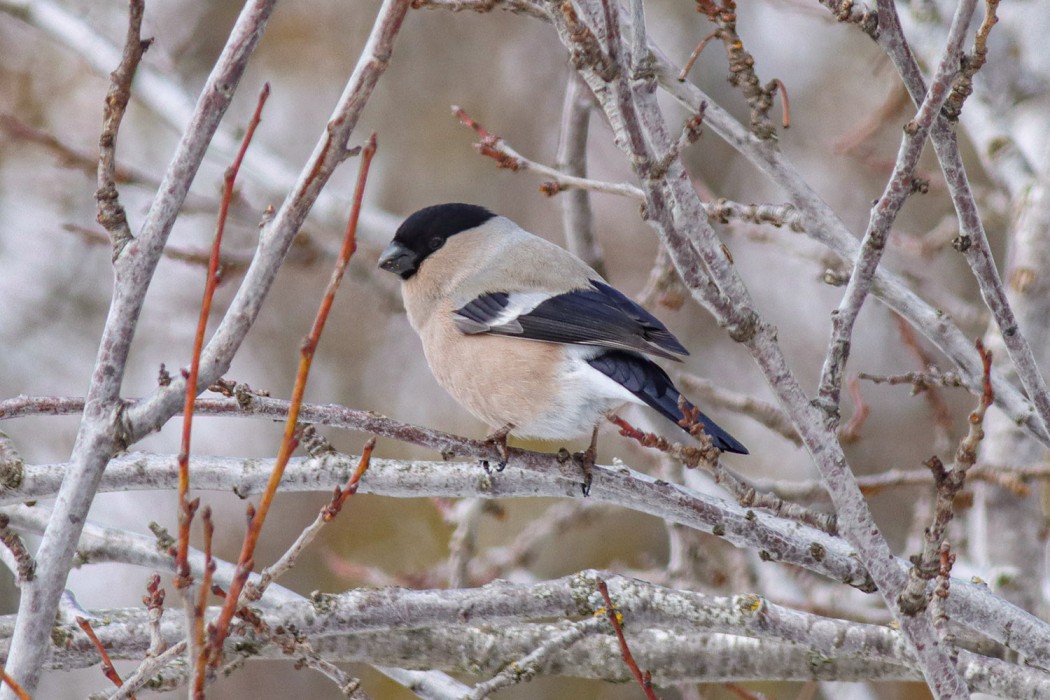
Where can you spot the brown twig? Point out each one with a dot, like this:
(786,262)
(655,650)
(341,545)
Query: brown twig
(245,562)
(506,157)
(963,85)
(201,658)
(707,457)
(154,602)
(107,665)
(182,568)
(966,455)
(949,482)
(70,156)
(490,145)
(23,558)
(228,263)
(644,679)
(767,414)
(742,68)
(110,212)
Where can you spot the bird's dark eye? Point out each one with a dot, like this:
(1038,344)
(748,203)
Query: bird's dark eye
(436,242)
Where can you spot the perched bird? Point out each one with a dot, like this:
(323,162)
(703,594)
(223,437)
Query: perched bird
(525,335)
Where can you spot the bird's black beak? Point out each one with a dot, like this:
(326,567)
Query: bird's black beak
(398,259)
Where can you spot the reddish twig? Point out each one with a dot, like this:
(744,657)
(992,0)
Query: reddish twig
(182,567)
(331,510)
(644,679)
(695,55)
(785,104)
(254,591)
(245,562)
(944,572)
(490,145)
(17,689)
(107,665)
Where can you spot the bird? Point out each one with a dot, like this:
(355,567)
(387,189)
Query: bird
(525,335)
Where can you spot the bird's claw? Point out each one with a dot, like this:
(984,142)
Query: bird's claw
(498,440)
(585,461)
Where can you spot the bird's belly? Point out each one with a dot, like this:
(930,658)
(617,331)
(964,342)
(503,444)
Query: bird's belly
(539,388)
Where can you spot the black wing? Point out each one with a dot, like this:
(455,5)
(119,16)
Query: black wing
(648,382)
(599,315)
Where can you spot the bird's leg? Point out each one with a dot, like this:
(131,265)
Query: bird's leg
(498,440)
(586,459)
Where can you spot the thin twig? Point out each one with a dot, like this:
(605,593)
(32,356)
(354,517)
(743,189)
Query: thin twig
(963,86)
(107,666)
(11,683)
(102,431)
(644,679)
(949,481)
(148,669)
(24,563)
(111,213)
(255,590)
(70,156)
(707,457)
(850,432)
(245,562)
(695,55)
(506,157)
(154,602)
(742,68)
(528,666)
(198,649)
(185,515)
(898,188)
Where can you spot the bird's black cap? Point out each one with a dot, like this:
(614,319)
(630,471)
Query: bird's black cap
(426,231)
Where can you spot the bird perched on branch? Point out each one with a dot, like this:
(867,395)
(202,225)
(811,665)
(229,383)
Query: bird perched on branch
(525,335)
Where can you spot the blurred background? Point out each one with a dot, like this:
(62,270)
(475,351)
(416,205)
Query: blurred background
(509,73)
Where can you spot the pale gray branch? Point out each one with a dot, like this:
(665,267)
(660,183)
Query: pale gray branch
(99,435)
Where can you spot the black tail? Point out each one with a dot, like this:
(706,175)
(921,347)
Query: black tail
(646,380)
